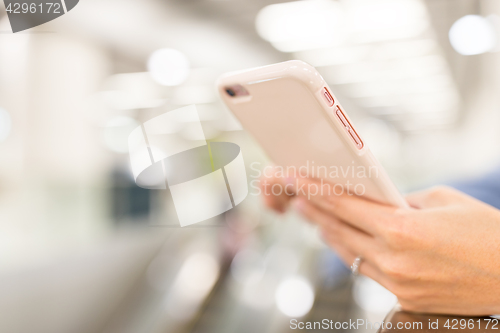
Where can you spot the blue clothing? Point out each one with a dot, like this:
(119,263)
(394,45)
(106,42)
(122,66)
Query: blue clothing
(486,188)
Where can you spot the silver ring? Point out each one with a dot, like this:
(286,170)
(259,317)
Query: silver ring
(355,265)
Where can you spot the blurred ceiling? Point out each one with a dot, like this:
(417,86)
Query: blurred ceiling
(410,84)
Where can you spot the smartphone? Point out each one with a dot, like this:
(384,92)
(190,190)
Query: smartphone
(292,113)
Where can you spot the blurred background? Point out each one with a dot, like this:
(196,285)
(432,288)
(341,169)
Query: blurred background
(83,249)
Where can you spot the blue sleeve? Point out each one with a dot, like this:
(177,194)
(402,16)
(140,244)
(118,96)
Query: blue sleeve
(486,188)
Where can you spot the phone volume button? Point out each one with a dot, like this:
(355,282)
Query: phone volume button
(341,117)
(347,126)
(328,97)
(355,138)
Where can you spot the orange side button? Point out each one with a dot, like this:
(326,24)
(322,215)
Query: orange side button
(328,97)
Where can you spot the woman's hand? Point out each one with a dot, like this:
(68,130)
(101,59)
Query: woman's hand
(440,256)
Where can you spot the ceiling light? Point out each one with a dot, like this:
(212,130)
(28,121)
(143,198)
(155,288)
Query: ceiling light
(472,34)
(301,25)
(168,67)
(384,20)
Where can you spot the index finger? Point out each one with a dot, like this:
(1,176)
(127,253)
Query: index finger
(366,215)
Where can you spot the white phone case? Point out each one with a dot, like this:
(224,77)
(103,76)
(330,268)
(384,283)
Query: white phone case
(290,110)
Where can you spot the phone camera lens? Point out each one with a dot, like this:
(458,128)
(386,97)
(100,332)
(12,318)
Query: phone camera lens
(230,92)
